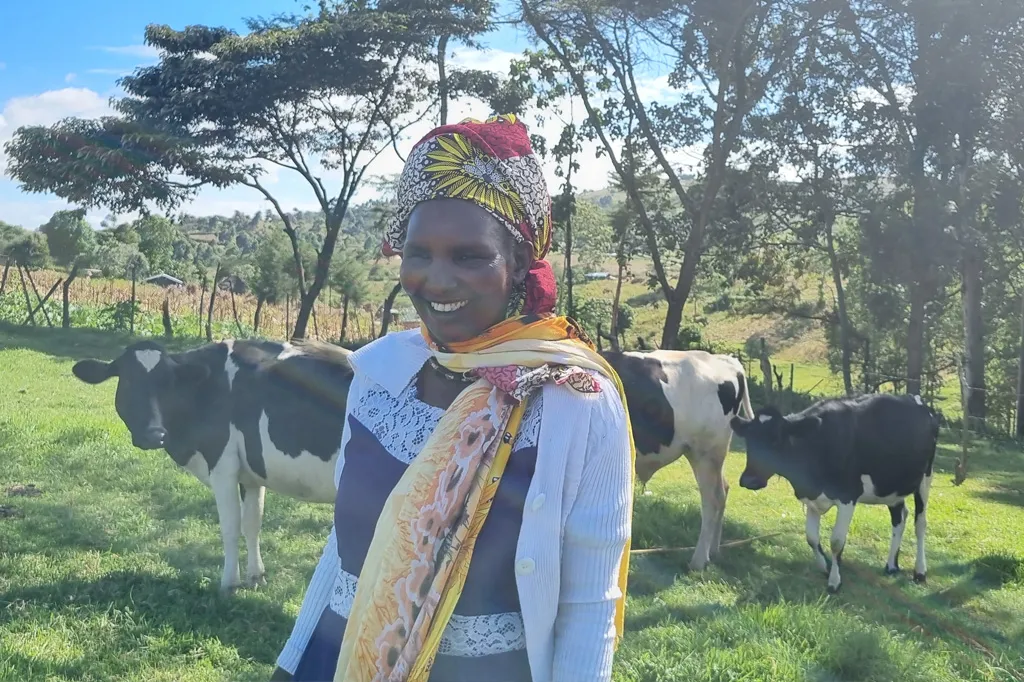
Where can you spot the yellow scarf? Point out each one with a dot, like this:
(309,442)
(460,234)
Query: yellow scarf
(419,556)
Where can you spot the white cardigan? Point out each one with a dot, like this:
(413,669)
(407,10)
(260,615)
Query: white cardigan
(576,521)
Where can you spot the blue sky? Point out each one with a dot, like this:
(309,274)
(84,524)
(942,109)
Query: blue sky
(63,58)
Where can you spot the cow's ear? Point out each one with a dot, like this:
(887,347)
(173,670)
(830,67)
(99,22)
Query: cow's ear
(803,427)
(191,373)
(740,426)
(94,371)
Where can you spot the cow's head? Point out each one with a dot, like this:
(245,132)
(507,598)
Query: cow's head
(769,437)
(151,386)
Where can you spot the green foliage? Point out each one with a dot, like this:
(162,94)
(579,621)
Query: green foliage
(69,237)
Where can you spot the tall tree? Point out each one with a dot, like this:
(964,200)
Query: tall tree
(68,235)
(725,57)
(318,95)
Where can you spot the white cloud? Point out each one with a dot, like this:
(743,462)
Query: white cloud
(70,77)
(110,72)
(140,51)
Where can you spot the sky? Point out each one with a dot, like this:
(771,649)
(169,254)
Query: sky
(63,58)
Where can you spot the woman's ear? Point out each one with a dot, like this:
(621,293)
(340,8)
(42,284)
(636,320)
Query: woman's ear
(523,259)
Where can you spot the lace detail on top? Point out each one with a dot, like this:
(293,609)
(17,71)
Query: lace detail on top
(475,636)
(402,425)
(465,636)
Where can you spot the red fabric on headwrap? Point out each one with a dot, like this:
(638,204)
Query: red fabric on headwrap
(491,164)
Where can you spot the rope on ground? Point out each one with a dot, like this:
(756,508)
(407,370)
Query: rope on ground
(731,543)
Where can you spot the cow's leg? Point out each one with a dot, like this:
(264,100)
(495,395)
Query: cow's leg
(812,528)
(844,516)
(920,526)
(707,469)
(224,481)
(252,519)
(716,541)
(898,514)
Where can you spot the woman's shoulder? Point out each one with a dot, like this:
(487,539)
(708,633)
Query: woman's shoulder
(590,390)
(392,358)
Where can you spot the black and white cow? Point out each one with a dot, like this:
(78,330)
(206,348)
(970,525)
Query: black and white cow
(681,402)
(242,416)
(873,449)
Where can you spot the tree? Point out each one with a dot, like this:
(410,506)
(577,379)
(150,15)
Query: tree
(68,235)
(349,278)
(270,281)
(157,239)
(323,93)
(732,51)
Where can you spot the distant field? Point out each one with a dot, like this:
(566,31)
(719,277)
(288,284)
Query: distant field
(111,573)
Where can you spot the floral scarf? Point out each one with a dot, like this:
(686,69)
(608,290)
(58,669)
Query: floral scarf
(419,556)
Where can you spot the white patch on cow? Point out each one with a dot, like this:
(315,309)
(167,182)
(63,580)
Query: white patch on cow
(897,540)
(917,399)
(844,517)
(289,351)
(812,530)
(821,504)
(921,526)
(306,477)
(148,358)
(870,496)
(224,481)
(764,418)
(197,467)
(230,366)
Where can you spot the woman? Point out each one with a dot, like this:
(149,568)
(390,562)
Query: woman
(483,514)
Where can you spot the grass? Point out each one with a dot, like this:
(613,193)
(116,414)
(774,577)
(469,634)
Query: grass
(112,572)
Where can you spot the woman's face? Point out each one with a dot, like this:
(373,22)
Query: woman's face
(459,265)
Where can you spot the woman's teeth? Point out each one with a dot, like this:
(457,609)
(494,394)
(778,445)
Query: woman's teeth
(447,307)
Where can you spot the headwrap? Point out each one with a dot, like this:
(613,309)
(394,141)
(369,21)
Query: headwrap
(491,164)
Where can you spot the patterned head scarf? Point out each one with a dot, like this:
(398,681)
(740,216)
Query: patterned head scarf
(491,164)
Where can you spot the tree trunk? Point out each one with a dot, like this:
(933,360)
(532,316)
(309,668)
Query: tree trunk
(974,334)
(614,331)
(442,79)
(65,320)
(915,339)
(385,318)
(168,331)
(344,317)
(1020,372)
(234,311)
(213,297)
(256,316)
(202,300)
(844,320)
(673,322)
(323,269)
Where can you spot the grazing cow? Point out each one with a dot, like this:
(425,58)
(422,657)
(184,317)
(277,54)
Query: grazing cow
(242,416)
(680,402)
(873,449)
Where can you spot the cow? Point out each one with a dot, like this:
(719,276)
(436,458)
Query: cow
(680,403)
(877,449)
(242,416)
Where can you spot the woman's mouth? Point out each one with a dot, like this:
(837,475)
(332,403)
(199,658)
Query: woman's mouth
(446,307)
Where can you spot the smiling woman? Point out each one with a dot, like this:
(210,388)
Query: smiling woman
(482,519)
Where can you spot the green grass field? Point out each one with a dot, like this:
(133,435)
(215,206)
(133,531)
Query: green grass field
(111,572)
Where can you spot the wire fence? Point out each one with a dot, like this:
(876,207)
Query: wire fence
(234,314)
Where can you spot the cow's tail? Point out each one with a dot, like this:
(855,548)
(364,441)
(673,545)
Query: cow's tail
(744,396)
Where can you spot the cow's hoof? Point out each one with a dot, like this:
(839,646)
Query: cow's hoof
(698,566)
(834,589)
(228,590)
(258,581)
(892,570)
(920,578)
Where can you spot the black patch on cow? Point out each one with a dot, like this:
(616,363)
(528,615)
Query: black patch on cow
(650,413)
(303,395)
(728,396)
